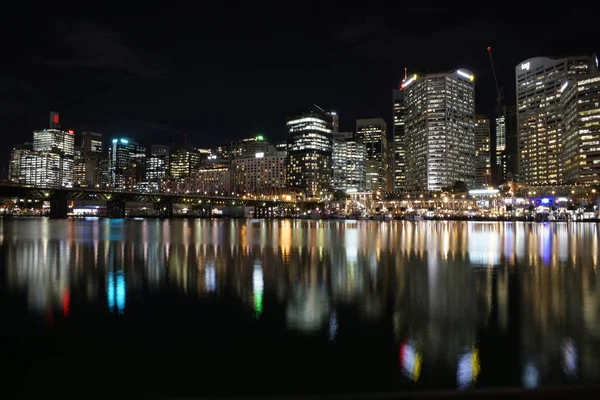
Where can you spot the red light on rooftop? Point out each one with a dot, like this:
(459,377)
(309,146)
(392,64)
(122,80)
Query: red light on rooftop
(56,118)
(489,48)
(71,131)
(402,86)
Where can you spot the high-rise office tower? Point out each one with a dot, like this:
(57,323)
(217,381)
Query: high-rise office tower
(510,157)
(483,165)
(399,149)
(59,142)
(92,143)
(348,162)
(78,167)
(373,133)
(538,82)
(309,157)
(157,165)
(581,130)
(127,162)
(500,140)
(440,130)
(182,161)
(335,121)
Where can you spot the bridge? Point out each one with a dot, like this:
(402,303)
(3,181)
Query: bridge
(59,199)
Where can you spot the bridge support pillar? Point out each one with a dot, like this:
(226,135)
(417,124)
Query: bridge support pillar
(58,208)
(115,209)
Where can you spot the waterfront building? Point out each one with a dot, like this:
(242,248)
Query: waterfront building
(440,130)
(372,133)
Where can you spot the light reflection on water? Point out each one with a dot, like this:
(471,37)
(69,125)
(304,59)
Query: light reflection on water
(453,297)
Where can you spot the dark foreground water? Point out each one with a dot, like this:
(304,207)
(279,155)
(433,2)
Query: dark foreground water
(230,307)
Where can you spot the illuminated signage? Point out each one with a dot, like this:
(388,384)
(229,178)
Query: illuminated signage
(55,116)
(115,141)
(409,81)
(525,66)
(260,137)
(71,132)
(562,199)
(465,75)
(564,86)
(124,141)
(545,201)
(259,155)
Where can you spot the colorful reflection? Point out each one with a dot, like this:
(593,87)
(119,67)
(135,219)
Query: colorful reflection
(533,288)
(468,368)
(410,360)
(116,291)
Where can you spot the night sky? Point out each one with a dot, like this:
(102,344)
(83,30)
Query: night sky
(154,74)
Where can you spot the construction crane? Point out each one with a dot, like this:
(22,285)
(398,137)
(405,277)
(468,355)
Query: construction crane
(499,94)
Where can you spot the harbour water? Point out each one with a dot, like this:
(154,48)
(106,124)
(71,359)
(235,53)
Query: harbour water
(252,307)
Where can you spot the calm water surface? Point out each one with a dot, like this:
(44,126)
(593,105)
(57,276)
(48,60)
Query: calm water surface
(225,307)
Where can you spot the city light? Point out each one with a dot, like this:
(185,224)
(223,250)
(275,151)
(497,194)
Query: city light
(483,192)
(124,141)
(259,155)
(409,81)
(564,86)
(471,77)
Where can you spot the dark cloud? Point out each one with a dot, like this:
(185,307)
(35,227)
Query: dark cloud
(89,45)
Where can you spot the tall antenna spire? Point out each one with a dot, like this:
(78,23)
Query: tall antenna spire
(185,138)
(405,73)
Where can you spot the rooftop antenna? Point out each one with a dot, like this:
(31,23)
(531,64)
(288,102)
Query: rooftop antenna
(185,139)
(405,73)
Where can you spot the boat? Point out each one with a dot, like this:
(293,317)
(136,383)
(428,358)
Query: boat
(315,215)
(337,215)
(358,215)
(386,216)
(413,216)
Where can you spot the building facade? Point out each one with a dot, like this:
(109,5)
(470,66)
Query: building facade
(372,133)
(581,130)
(349,154)
(260,174)
(539,116)
(440,130)
(40,169)
(127,162)
(483,165)
(250,146)
(399,160)
(309,157)
(59,142)
(157,167)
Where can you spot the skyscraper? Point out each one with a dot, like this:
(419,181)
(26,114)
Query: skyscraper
(157,166)
(348,162)
(482,152)
(183,161)
(510,157)
(399,146)
(373,134)
(309,157)
(581,130)
(440,130)
(538,82)
(59,142)
(92,143)
(126,161)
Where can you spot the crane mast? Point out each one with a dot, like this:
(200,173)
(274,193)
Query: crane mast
(499,95)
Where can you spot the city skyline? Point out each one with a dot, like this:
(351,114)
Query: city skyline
(152,86)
